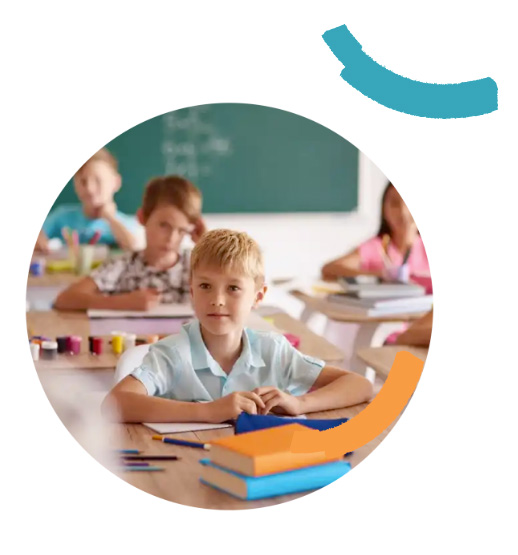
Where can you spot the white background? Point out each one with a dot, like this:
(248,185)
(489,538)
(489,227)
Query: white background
(76,74)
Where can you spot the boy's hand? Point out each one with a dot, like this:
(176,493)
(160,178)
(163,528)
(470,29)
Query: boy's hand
(231,406)
(199,229)
(143,299)
(280,401)
(107,210)
(42,243)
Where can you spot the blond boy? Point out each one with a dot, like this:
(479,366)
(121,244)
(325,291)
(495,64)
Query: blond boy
(216,368)
(95,183)
(171,210)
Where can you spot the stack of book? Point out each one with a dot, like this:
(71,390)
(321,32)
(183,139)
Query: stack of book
(382,299)
(260,464)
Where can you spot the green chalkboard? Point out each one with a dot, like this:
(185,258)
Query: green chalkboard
(243,157)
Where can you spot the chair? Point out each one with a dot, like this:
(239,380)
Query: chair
(129,360)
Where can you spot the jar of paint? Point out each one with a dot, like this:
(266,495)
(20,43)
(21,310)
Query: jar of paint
(49,350)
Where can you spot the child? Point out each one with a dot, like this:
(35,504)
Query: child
(397,236)
(418,333)
(171,210)
(217,360)
(95,184)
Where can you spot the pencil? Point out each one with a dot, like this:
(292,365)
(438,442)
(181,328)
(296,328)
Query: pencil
(128,451)
(140,468)
(183,442)
(150,458)
(407,255)
(385,241)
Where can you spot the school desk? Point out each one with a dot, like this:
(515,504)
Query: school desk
(381,359)
(42,290)
(179,482)
(56,323)
(372,330)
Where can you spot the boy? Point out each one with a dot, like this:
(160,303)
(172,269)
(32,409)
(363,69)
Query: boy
(95,184)
(171,210)
(217,360)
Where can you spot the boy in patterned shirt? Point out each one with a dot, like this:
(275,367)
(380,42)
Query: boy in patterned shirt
(171,210)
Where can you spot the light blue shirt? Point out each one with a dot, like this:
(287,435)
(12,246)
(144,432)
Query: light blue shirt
(180,367)
(73,217)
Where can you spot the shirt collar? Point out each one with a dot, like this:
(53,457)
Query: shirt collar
(249,358)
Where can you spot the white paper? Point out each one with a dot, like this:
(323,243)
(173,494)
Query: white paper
(161,311)
(181,427)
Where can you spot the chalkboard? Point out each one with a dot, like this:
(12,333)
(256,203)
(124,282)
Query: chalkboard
(243,157)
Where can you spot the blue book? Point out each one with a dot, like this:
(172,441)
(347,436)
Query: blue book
(283,483)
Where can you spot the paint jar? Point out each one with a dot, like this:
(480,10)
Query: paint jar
(74,344)
(130,340)
(49,350)
(95,345)
(37,267)
(117,342)
(35,351)
(85,259)
(63,345)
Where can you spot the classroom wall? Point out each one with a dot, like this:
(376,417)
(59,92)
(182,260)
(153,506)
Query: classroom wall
(297,245)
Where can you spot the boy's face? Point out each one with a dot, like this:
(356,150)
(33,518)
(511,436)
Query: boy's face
(223,300)
(96,184)
(165,229)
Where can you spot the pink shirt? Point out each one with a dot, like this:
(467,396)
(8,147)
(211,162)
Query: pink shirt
(372,259)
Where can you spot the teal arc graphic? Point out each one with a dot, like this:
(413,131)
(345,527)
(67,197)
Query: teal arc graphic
(428,100)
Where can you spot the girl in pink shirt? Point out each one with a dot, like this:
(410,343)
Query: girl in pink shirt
(397,242)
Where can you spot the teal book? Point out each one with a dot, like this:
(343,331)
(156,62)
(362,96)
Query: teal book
(272,485)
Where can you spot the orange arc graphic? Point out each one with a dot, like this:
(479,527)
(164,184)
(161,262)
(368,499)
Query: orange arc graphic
(376,417)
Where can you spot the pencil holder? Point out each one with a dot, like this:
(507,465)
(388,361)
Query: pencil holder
(85,258)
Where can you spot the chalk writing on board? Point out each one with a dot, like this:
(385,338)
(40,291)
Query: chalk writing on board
(191,144)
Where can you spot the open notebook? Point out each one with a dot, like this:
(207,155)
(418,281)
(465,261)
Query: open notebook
(180,427)
(161,311)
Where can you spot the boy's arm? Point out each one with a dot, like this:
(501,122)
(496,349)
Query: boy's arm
(131,403)
(335,388)
(42,243)
(125,238)
(346,266)
(85,294)
(130,400)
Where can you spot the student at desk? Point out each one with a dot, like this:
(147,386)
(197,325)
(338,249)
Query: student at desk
(418,333)
(171,210)
(397,239)
(95,183)
(217,360)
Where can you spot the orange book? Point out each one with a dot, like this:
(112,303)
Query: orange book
(264,452)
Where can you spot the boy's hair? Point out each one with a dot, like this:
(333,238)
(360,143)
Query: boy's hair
(103,155)
(174,190)
(229,250)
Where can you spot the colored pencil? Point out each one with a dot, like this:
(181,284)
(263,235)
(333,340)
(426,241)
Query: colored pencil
(139,463)
(128,451)
(183,442)
(407,255)
(385,241)
(95,238)
(150,457)
(140,468)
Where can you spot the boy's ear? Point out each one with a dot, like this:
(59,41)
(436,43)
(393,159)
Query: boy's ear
(118,182)
(140,217)
(259,296)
